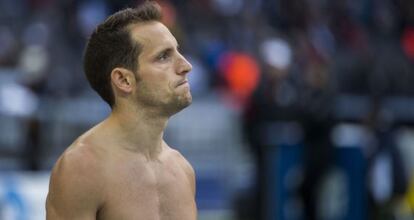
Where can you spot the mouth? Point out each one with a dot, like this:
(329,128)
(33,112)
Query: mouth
(182,83)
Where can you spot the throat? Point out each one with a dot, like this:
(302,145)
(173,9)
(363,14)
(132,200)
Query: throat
(139,136)
(149,150)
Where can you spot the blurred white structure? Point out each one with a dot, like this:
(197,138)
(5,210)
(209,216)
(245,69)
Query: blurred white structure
(23,195)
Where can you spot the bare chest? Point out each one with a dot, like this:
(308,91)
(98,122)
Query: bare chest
(159,192)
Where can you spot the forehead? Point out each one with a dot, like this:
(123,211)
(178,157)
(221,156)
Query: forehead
(152,36)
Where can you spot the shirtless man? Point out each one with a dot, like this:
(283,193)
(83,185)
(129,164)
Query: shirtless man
(121,169)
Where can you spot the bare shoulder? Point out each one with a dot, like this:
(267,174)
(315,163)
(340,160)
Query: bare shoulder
(76,182)
(77,162)
(179,158)
(185,165)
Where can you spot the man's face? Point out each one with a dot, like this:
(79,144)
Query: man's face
(162,70)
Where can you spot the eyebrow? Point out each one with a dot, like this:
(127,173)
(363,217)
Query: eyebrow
(167,50)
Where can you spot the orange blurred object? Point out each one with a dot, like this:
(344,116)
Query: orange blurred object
(241,73)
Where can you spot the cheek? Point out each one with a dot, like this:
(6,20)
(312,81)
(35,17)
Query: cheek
(154,72)
(157,76)
(154,86)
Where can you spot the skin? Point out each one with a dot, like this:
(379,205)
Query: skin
(122,168)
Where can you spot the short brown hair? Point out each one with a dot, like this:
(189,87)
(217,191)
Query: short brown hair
(111,46)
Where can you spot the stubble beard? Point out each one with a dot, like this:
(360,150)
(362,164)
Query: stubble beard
(180,102)
(166,106)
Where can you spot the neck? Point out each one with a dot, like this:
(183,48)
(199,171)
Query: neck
(139,131)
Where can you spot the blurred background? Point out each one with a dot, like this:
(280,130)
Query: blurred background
(303,109)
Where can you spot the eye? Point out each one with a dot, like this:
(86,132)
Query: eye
(164,55)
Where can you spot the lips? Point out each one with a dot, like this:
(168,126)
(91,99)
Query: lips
(182,82)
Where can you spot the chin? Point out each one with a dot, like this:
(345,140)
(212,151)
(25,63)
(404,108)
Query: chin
(185,101)
(182,102)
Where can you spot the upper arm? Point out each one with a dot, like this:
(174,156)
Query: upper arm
(74,190)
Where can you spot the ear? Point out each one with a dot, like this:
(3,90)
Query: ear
(123,79)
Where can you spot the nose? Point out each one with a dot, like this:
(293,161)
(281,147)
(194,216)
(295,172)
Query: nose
(184,66)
